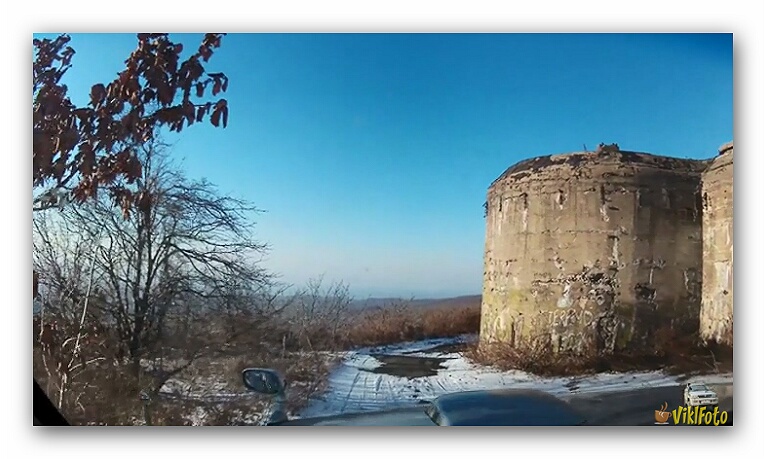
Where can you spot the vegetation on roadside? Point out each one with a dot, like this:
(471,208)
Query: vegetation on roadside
(301,334)
(670,351)
(401,322)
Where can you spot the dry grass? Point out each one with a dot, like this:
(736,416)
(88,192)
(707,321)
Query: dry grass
(102,394)
(107,392)
(108,395)
(536,359)
(404,323)
(305,374)
(671,352)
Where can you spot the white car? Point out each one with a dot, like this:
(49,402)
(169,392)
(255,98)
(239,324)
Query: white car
(699,394)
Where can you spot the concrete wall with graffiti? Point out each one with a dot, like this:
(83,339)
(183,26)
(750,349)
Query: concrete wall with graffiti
(593,250)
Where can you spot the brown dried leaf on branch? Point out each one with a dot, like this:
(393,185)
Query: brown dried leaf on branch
(82,149)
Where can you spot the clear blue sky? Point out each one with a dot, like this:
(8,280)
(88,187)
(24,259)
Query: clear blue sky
(371,154)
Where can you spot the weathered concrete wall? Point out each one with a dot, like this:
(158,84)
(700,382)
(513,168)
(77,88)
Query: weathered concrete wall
(717,313)
(593,250)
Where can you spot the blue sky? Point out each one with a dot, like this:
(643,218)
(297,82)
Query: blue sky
(372,153)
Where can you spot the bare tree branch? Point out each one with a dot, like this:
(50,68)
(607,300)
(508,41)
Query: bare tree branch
(182,244)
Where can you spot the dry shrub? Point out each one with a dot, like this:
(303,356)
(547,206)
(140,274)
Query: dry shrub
(670,350)
(109,393)
(535,357)
(305,373)
(685,352)
(399,323)
(112,400)
(165,413)
(445,322)
(102,394)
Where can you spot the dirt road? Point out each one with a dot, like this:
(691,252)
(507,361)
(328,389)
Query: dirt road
(408,374)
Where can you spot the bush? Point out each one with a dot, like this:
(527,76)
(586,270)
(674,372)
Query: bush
(670,350)
(399,323)
(107,391)
(536,357)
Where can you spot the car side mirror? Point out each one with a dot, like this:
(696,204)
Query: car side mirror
(264,381)
(268,382)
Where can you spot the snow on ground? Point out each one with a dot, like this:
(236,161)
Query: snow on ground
(398,375)
(361,382)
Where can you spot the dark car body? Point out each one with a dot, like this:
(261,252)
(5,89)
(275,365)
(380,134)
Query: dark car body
(505,407)
(410,416)
(509,407)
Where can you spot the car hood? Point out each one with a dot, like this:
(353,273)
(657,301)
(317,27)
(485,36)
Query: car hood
(411,416)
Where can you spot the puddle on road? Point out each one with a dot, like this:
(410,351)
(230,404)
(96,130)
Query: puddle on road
(407,366)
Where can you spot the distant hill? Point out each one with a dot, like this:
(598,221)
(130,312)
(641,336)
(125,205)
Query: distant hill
(454,302)
(360,305)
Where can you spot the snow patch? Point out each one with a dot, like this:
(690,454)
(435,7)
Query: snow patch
(354,387)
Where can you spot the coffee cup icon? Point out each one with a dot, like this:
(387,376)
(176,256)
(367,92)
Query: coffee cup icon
(661,416)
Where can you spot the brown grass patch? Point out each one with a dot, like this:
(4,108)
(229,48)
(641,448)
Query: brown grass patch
(106,393)
(404,323)
(674,353)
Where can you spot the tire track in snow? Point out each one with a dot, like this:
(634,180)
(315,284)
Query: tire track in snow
(378,382)
(350,390)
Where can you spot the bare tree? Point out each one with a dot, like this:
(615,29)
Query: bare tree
(321,313)
(63,258)
(68,349)
(79,150)
(183,250)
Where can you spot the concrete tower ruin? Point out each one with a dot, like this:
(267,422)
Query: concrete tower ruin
(717,314)
(593,250)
